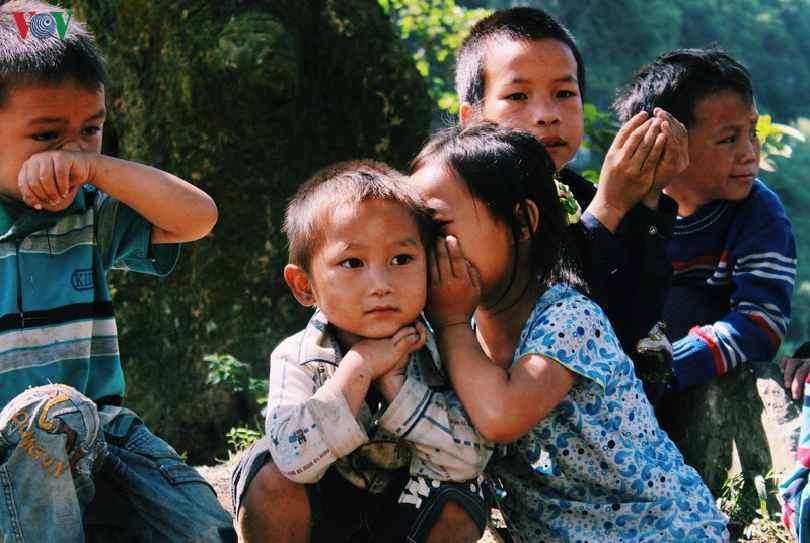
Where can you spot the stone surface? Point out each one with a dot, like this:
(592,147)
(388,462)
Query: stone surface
(743,421)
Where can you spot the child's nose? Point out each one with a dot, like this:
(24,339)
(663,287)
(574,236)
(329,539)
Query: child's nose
(750,151)
(546,114)
(380,281)
(74,144)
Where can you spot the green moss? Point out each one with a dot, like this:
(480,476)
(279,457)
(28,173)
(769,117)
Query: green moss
(245,103)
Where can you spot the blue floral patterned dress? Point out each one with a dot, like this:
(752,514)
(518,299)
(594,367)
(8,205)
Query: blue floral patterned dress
(598,467)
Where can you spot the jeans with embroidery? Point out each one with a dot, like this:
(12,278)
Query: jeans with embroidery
(72,473)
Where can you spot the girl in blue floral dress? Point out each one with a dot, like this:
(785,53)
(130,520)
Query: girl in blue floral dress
(540,370)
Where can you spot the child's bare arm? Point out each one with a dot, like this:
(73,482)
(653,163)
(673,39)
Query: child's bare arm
(178,210)
(628,170)
(503,402)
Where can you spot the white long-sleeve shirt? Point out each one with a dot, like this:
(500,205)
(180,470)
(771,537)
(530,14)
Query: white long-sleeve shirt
(312,428)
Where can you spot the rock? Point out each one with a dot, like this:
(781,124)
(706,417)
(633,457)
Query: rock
(744,421)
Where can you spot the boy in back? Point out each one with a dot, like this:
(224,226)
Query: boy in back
(73,462)
(366,441)
(733,250)
(521,68)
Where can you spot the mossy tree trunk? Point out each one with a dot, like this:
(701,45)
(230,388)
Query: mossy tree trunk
(245,100)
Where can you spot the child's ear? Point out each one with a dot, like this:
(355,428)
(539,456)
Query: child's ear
(466,113)
(298,281)
(528,217)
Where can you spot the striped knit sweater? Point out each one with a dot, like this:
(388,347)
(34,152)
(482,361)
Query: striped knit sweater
(743,254)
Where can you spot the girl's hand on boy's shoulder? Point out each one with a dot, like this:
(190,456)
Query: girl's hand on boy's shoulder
(454,286)
(50,180)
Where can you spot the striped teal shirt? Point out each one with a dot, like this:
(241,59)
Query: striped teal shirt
(56,316)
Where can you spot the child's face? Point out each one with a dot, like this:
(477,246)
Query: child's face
(485,242)
(532,84)
(723,153)
(41,117)
(369,276)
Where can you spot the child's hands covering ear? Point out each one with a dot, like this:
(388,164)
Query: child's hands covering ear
(454,286)
(675,157)
(628,169)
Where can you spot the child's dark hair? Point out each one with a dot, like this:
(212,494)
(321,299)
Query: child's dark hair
(52,60)
(677,80)
(519,23)
(504,168)
(346,184)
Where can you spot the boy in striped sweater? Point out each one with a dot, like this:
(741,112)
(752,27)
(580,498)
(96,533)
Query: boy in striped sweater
(733,250)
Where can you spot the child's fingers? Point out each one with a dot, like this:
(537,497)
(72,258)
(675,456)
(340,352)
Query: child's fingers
(628,128)
(639,140)
(675,130)
(799,380)
(655,154)
(410,338)
(458,265)
(647,144)
(38,178)
(440,262)
(31,189)
(421,331)
(48,173)
(62,165)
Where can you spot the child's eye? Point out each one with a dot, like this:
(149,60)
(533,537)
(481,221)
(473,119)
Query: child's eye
(566,94)
(91,131)
(731,139)
(753,134)
(401,260)
(352,263)
(45,136)
(516,96)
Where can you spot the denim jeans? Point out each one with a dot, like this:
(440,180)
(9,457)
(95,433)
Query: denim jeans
(70,472)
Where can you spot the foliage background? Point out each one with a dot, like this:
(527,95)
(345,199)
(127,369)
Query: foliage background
(246,100)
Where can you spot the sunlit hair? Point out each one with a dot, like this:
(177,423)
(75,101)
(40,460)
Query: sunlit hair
(341,186)
(678,80)
(520,23)
(52,60)
(504,168)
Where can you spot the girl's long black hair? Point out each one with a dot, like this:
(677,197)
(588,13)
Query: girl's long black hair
(503,168)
